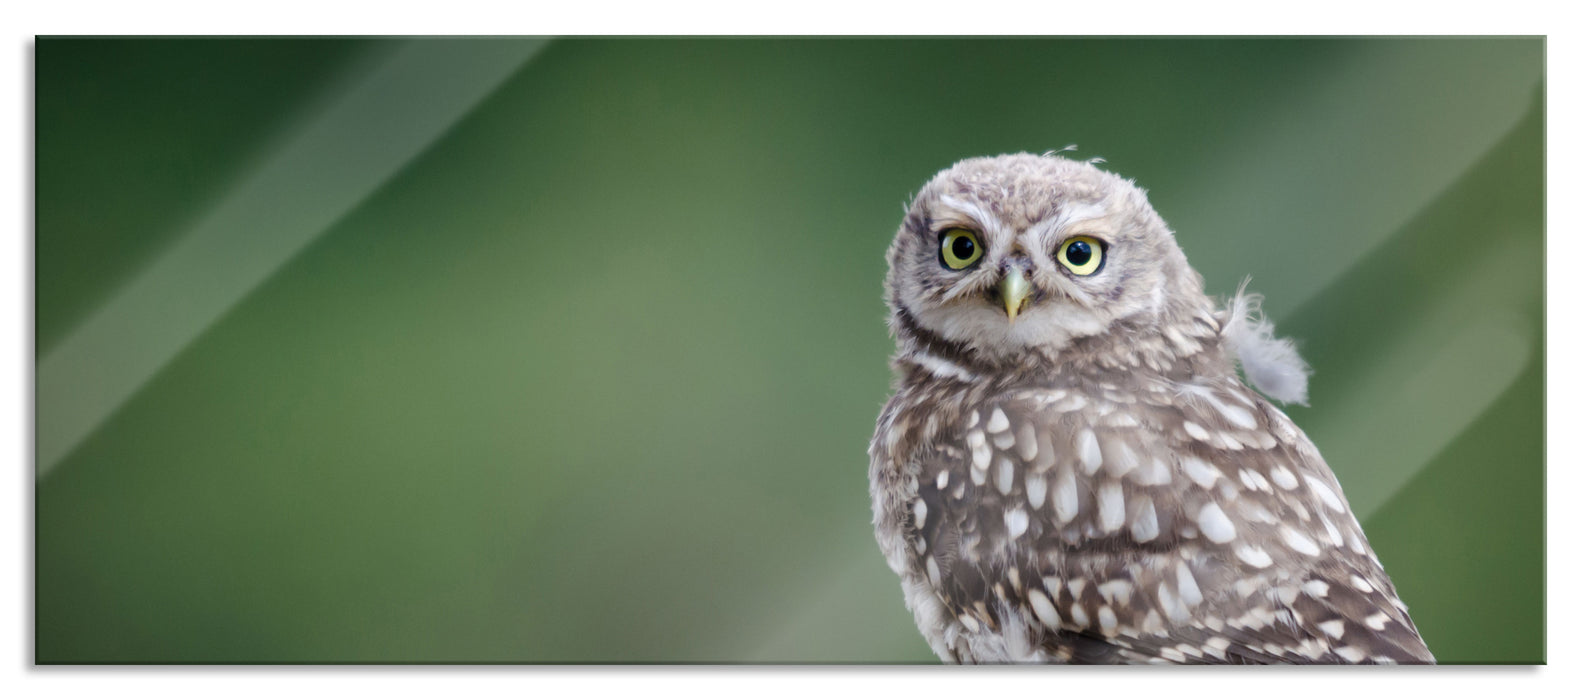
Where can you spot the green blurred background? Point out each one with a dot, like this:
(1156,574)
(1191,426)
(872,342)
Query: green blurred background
(570,350)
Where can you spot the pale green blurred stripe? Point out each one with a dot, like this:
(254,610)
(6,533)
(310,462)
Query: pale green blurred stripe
(1438,375)
(366,134)
(1306,211)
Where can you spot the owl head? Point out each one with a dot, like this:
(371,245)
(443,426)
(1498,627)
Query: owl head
(1018,256)
(1014,253)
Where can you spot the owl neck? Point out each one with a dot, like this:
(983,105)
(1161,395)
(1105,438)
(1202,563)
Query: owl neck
(1191,346)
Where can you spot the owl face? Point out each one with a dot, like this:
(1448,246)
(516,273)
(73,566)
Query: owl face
(1013,253)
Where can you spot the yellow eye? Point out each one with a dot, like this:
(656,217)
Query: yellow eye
(959,248)
(1082,255)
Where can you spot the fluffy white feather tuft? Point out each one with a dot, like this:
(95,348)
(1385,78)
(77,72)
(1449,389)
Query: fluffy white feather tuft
(1271,364)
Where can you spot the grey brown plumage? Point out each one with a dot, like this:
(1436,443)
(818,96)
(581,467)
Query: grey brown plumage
(1092,481)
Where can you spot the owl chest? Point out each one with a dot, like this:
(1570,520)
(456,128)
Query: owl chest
(974,476)
(966,510)
(1010,481)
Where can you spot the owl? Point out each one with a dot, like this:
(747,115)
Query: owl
(1071,469)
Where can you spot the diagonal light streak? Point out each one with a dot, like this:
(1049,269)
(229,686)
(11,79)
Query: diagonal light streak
(1438,374)
(361,138)
(1254,191)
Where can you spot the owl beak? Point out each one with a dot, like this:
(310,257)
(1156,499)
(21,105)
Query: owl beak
(1014,291)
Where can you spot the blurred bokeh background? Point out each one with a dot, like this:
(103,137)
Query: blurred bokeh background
(569,350)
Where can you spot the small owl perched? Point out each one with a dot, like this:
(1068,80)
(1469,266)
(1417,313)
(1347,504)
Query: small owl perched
(1071,469)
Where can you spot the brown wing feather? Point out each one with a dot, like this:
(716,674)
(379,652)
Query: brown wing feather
(1193,525)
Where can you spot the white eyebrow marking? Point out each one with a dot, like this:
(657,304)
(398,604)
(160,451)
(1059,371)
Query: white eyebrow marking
(993,227)
(1043,235)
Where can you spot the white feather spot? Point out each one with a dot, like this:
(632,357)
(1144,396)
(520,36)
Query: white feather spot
(1324,494)
(1046,453)
(1119,458)
(941,481)
(1037,490)
(1216,527)
(933,571)
(1333,628)
(1026,442)
(1355,543)
(972,420)
(979,476)
(1065,495)
(1246,480)
(1330,531)
(1048,397)
(1286,594)
(1079,617)
(919,513)
(1004,474)
(1317,588)
(1196,431)
(1107,621)
(1112,506)
(1361,584)
(1116,591)
(1199,471)
(997,421)
(1298,542)
(1043,609)
(1283,477)
(1153,623)
(1016,521)
(980,454)
(1002,441)
(942,368)
(1088,451)
(1068,404)
(1227,490)
(1077,586)
(1252,510)
(1145,524)
(1261,617)
(1254,556)
(1053,585)
(1352,654)
(1153,473)
(1258,481)
(1121,420)
(968,622)
(1238,416)
(1190,594)
(1376,621)
(1170,605)
(1312,648)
